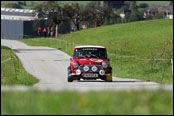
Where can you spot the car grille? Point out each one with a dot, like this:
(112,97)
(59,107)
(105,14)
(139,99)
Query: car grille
(99,67)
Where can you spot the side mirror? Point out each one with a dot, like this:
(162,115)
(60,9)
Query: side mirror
(109,59)
(70,59)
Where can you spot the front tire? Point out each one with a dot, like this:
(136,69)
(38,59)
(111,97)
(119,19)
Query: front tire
(109,77)
(70,79)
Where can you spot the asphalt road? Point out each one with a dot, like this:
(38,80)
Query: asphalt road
(49,65)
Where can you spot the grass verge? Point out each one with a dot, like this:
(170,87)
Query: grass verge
(154,2)
(12,71)
(32,4)
(97,103)
(143,40)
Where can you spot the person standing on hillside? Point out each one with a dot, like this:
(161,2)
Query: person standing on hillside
(52,32)
(48,32)
(39,31)
(45,32)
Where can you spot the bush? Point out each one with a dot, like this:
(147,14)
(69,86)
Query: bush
(21,3)
(143,5)
(13,5)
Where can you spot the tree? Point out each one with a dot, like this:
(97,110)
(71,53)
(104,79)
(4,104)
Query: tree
(21,3)
(98,14)
(75,14)
(155,14)
(132,13)
(13,5)
(143,5)
(55,14)
(114,4)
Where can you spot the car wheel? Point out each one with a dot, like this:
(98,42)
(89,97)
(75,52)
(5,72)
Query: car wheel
(70,79)
(109,77)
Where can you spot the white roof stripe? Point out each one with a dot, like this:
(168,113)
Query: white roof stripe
(89,46)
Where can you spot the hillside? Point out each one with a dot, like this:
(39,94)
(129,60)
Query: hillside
(139,38)
(131,47)
(154,2)
(30,5)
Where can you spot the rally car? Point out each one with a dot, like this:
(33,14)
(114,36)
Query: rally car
(89,62)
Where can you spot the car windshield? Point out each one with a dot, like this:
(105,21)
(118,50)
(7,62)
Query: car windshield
(90,53)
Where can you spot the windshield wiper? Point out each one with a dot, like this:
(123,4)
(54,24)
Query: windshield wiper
(81,57)
(94,56)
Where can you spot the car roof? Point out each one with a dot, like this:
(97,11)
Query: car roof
(89,46)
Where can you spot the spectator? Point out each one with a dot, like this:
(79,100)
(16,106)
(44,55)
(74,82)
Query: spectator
(45,32)
(52,32)
(48,32)
(39,31)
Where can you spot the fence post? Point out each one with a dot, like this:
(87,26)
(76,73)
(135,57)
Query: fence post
(65,46)
(172,65)
(59,43)
(73,45)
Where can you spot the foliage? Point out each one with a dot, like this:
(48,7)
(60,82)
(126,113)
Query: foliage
(114,4)
(13,5)
(12,71)
(132,12)
(144,102)
(143,5)
(21,3)
(53,12)
(154,14)
(98,14)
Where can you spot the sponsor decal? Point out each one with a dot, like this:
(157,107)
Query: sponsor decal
(89,48)
(96,60)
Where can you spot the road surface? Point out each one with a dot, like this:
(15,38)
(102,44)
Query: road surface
(49,65)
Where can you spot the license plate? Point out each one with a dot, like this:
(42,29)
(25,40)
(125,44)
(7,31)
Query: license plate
(90,75)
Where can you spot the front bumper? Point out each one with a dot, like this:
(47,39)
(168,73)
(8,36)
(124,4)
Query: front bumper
(75,76)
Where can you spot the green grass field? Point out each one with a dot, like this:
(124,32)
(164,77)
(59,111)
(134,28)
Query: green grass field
(12,71)
(97,103)
(143,40)
(154,2)
(30,5)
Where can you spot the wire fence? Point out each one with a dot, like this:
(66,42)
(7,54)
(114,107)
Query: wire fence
(69,46)
(8,59)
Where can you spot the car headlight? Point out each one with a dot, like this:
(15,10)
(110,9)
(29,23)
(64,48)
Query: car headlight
(78,72)
(85,68)
(101,72)
(105,64)
(94,68)
(75,65)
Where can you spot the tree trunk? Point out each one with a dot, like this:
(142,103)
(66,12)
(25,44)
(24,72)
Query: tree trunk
(57,30)
(78,27)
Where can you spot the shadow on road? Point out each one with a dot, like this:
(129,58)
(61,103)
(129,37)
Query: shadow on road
(112,81)
(35,49)
(20,50)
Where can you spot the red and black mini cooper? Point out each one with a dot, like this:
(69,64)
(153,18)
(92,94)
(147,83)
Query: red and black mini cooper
(89,62)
